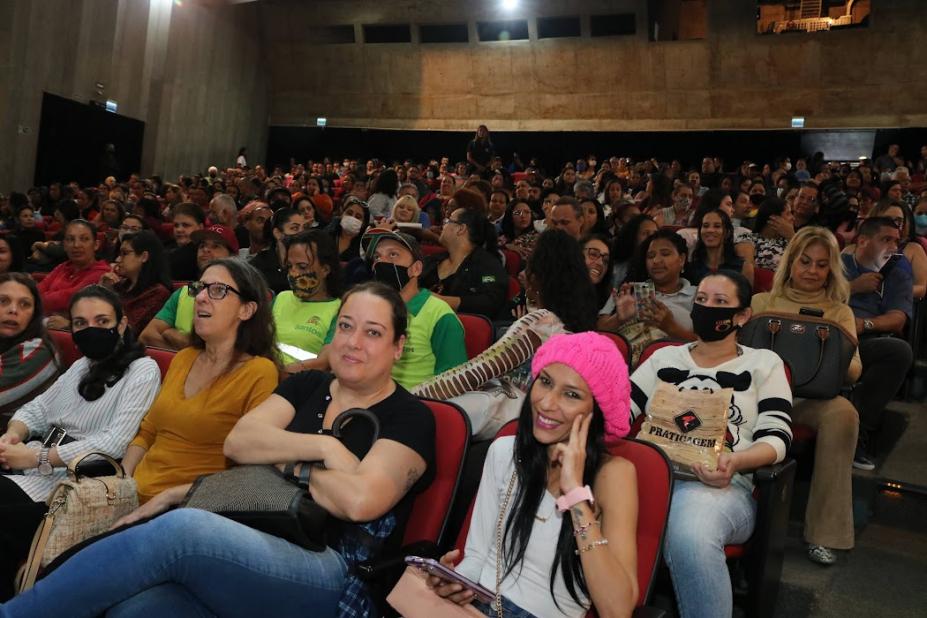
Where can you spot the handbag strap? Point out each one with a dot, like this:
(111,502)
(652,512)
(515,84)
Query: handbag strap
(497,602)
(39,542)
(823,333)
(74,463)
(352,413)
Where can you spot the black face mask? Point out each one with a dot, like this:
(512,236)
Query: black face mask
(392,275)
(757,198)
(713,323)
(96,343)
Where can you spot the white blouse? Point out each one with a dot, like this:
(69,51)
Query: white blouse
(107,424)
(528,585)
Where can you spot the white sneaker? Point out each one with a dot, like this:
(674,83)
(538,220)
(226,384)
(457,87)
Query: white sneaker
(821,555)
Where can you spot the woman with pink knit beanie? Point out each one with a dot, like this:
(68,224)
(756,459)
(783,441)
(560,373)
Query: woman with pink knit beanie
(563,510)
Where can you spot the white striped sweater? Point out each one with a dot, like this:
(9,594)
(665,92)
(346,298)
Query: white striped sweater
(106,425)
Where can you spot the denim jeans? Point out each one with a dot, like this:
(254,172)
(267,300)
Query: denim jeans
(702,521)
(184,563)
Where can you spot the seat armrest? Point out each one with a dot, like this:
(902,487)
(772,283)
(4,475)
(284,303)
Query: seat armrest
(646,611)
(771,474)
(372,569)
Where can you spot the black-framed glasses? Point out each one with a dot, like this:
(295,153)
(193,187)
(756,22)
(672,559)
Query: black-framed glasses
(215,290)
(594,254)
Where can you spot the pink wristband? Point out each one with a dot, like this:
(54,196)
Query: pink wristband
(580,494)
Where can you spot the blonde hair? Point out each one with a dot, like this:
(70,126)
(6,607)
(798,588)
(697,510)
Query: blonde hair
(837,288)
(406,199)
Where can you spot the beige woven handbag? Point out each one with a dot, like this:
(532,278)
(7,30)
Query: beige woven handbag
(78,508)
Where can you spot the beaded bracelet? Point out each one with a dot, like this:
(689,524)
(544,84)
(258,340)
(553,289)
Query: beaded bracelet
(592,545)
(581,533)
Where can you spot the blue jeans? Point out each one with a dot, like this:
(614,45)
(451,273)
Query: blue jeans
(702,521)
(188,562)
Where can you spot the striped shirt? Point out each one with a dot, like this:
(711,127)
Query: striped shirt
(106,425)
(761,404)
(24,370)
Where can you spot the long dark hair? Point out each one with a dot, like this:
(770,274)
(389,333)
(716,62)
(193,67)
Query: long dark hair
(701,252)
(256,335)
(108,371)
(508,226)
(625,242)
(35,329)
(387,183)
(531,468)
(17,253)
(155,270)
(558,267)
(604,287)
(325,253)
(599,227)
(480,230)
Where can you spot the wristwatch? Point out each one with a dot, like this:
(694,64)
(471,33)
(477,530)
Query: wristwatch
(868,325)
(45,468)
(575,496)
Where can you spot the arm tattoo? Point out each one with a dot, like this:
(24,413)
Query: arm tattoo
(411,476)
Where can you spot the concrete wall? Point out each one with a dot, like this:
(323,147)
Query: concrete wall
(733,79)
(192,73)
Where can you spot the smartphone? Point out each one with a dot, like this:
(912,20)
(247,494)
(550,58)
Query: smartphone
(817,313)
(890,264)
(644,295)
(433,567)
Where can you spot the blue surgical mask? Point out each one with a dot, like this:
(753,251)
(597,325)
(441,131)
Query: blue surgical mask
(921,222)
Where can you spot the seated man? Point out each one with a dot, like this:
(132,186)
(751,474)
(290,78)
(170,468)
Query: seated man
(434,336)
(172,325)
(880,286)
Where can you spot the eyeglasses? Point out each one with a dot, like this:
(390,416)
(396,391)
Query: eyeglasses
(521,213)
(898,221)
(215,290)
(446,221)
(127,228)
(595,254)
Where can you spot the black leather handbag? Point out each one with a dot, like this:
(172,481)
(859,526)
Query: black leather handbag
(817,351)
(266,499)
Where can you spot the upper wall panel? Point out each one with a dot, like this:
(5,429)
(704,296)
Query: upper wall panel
(730,79)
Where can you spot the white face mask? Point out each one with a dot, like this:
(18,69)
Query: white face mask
(350,225)
(788,166)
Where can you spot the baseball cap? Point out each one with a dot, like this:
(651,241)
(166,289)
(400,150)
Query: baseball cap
(374,235)
(219,233)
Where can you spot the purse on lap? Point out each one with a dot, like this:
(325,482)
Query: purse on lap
(817,351)
(261,497)
(689,425)
(79,508)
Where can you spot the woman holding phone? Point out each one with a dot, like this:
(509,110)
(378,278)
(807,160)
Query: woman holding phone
(566,509)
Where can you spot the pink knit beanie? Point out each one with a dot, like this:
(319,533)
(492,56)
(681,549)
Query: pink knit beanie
(598,361)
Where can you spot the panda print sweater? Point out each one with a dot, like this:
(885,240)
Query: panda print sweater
(760,406)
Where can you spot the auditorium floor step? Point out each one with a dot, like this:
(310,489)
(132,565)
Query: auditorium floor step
(885,574)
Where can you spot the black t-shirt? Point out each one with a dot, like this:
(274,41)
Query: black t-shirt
(183,263)
(268,263)
(403,419)
(480,281)
(481,151)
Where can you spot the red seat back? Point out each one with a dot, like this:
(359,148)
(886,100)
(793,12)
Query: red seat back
(622,344)
(514,288)
(176,285)
(654,494)
(512,262)
(67,351)
(162,357)
(428,517)
(762,280)
(478,333)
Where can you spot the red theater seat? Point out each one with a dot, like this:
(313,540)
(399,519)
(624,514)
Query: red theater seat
(478,333)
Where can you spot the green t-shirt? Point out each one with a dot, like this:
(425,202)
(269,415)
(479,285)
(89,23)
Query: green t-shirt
(303,324)
(178,311)
(434,341)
